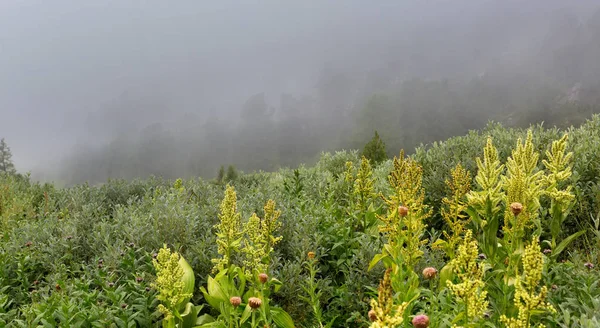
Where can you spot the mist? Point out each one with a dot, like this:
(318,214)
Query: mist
(91,90)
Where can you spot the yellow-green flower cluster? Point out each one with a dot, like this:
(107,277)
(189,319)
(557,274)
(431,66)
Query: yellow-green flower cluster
(169,281)
(178,185)
(406,180)
(489,171)
(559,166)
(470,290)
(384,313)
(260,238)
(254,254)
(363,185)
(349,173)
(526,298)
(229,230)
(523,185)
(454,208)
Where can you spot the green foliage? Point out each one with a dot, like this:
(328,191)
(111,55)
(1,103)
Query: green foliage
(97,242)
(375,150)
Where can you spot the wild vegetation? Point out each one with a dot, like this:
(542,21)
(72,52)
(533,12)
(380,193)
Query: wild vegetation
(497,228)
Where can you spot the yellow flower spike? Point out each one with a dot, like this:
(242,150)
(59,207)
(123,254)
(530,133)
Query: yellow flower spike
(383,313)
(489,171)
(229,230)
(169,282)
(523,185)
(260,238)
(406,180)
(527,299)
(349,173)
(363,185)
(178,185)
(559,165)
(252,249)
(455,206)
(470,290)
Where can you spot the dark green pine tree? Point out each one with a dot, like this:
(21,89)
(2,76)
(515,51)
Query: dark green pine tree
(221,174)
(232,174)
(375,150)
(6,164)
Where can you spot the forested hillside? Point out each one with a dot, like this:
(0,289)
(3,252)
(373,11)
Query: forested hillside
(414,83)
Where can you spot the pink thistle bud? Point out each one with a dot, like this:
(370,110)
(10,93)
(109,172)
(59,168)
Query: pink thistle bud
(420,321)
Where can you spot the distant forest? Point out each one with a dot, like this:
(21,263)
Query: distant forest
(556,82)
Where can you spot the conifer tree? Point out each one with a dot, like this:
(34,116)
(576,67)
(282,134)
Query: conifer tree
(375,150)
(6,164)
(221,174)
(232,174)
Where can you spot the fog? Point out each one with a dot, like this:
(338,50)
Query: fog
(91,90)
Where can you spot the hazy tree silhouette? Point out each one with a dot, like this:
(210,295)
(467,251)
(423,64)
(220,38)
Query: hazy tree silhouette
(6,163)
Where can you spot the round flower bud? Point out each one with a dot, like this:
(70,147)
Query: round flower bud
(402,211)
(429,273)
(254,302)
(420,321)
(516,208)
(311,255)
(263,278)
(372,315)
(235,301)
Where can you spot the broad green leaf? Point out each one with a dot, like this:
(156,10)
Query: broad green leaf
(215,290)
(188,281)
(376,260)
(246,314)
(445,275)
(330,323)
(275,282)
(214,324)
(439,243)
(204,319)
(281,318)
(189,316)
(563,244)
